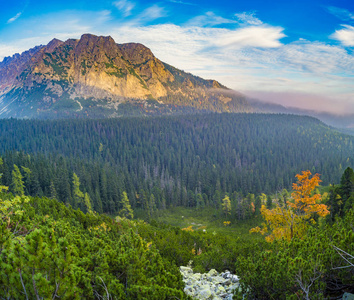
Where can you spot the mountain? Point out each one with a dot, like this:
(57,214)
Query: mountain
(96,77)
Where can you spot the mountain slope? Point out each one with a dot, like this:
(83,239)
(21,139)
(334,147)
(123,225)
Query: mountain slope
(92,76)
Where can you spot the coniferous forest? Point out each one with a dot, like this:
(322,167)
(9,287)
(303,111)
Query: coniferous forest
(177,160)
(71,191)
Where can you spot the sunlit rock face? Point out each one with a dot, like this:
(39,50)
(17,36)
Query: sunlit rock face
(77,76)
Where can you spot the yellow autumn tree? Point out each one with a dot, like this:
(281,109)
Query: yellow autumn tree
(226,205)
(293,220)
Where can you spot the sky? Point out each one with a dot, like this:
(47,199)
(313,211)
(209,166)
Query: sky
(295,53)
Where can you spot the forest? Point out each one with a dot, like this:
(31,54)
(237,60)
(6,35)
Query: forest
(189,161)
(84,205)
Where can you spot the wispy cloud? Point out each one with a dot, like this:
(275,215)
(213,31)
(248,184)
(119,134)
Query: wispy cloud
(248,18)
(345,35)
(253,36)
(181,2)
(124,6)
(249,64)
(209,19)
(341,13)
(150,14)
(13,19)
(249,55)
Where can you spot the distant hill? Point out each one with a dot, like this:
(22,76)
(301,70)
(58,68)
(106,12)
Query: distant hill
(96,77)
(345,123)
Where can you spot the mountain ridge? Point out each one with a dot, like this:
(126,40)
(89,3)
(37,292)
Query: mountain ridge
(94,73)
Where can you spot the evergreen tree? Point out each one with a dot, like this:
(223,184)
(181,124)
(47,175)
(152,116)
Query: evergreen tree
(78,196)
(258,205)
(334,202)
(126,210)
(98,201)
(18,186)
(347,188)
(152,204)
(87,202)
(200,201)
(269,204)
(53,192)
(28,179)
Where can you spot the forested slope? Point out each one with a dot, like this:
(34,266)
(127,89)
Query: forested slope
(181,160)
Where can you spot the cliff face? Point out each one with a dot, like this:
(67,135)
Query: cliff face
(95,74)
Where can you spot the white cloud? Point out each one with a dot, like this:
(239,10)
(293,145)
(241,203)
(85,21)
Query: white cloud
(345,35)
(209,19)
(245,58)
(9,50)
(248,18)
(181,2)
(13,19)
(124,6)
(341,13)
(249,64)
(253,36)
(149,14)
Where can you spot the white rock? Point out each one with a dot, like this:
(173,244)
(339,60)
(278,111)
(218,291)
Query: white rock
(213,272)
(211,285)
(205,293)
(220,290)
(186,269)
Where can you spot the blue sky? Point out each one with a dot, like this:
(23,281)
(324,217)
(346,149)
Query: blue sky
(296,53)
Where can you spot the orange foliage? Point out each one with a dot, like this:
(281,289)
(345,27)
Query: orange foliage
(304,203)
(253,208)
(289,222)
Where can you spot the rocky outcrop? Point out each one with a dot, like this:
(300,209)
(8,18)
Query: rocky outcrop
(211,285)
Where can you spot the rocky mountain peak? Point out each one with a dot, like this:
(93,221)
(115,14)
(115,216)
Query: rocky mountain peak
(92,44)
(137,52)
(54,43)
(63,74)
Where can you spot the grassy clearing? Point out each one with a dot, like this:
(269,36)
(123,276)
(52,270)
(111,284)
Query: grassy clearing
(209,219)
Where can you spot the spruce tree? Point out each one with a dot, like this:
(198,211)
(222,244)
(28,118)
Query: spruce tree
(126,210)
(53,192)
(87,202)
(77,194)
(18,186)
(269,202)
(347,186)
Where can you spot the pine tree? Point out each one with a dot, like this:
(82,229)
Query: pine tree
(269,202)
(347,188)
(200,201)
(126,210)
(53,192)
(18,186)
(258,205)
(28,179)
(77,194)
(87,202)
(152,204)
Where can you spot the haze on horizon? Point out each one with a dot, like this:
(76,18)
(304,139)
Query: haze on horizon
(292,53)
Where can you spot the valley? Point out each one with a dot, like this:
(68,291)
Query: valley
(124,177)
